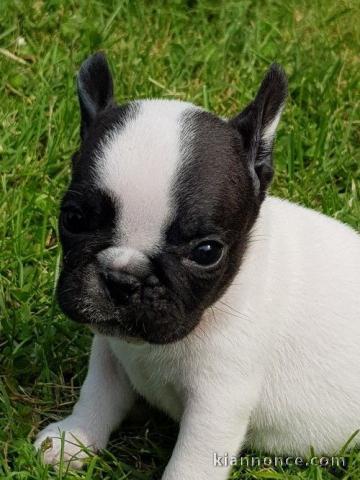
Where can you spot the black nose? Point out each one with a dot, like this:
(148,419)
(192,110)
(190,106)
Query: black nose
(120,286)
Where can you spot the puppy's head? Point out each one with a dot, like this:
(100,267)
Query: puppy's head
(162,198)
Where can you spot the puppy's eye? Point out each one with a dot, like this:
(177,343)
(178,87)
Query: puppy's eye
(207,253)
(73,220)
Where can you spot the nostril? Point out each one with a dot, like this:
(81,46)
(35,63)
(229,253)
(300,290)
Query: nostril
(120,287)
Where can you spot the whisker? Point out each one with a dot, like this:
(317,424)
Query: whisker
(241,316)
(233,309)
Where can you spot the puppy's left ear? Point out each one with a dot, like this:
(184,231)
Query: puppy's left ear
(95,89)
(257,126)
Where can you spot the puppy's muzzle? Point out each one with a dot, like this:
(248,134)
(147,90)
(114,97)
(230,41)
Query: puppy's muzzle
(123,273)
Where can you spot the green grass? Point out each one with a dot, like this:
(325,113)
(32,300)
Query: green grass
(212,53)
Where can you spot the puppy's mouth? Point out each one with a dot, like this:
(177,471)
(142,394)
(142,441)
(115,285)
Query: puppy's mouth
(124,327)
(158,333)
(159,318)
(133,324)
(104,328)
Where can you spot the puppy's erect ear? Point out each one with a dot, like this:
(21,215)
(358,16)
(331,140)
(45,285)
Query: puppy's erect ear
(257,125)
(95,89)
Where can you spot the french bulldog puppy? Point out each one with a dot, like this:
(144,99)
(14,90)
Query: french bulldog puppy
(236,313)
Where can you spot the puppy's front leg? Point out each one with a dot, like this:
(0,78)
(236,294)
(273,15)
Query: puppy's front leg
(208,431)
(105,399)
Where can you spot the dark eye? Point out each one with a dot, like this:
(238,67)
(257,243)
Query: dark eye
(73,220)
(207,253)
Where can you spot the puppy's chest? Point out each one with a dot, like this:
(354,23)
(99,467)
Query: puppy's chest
(153,378)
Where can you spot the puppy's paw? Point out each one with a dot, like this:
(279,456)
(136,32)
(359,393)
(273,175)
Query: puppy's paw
(65,442)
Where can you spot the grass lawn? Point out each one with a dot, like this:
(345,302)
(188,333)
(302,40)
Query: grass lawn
(212,53)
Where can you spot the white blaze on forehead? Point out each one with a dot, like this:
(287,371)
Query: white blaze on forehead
(137,164)
(124,259)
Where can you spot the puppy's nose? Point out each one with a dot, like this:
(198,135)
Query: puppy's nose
(120,286)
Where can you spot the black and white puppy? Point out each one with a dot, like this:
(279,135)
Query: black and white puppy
(236,314)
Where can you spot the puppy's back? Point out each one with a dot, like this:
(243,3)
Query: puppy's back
(313,376)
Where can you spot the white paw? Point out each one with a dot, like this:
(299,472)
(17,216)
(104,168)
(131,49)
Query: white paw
(64,442)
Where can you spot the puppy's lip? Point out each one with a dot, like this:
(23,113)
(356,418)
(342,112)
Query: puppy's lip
(127,338)
(133,340)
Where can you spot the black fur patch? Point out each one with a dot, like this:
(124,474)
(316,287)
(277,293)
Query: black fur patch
(214,197)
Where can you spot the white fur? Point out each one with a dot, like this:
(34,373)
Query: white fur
(137,164)
(278,356)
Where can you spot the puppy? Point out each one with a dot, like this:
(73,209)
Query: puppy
(235,313)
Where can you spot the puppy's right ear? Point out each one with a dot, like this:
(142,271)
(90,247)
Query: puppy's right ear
(257,125)
(95,89)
